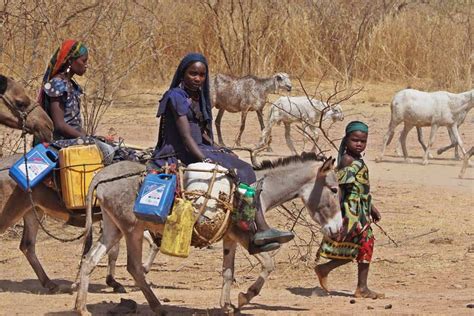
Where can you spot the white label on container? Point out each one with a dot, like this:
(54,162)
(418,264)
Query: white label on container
(152,194)
(36,165)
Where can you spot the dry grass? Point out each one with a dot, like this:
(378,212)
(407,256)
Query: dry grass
(422,44)
(364,40)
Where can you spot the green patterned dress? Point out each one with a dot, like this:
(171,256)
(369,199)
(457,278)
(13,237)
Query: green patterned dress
(358,240)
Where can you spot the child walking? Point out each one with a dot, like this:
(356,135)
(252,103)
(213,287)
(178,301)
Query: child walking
(357,239)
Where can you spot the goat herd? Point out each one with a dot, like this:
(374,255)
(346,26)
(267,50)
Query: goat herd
(412,107)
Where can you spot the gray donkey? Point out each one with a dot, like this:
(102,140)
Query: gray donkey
(297,176)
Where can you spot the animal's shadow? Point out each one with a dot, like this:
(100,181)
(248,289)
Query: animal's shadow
(317,291)
(417,160)
(105,308)
(34,286)
(264,307)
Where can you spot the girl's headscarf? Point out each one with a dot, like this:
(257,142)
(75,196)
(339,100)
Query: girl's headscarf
(351,127)
(70,49)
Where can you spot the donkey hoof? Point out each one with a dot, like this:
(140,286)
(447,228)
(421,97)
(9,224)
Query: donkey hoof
(378,159)
(408,160)
(242,300)
(74,286)
(229,309)
(425,162)
(158,310)
(51,286)
(83,312)
(118,288)
(54,288)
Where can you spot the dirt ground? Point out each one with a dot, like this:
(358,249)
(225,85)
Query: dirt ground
(427,210)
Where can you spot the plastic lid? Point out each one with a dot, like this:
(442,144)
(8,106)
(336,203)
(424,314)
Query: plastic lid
(249,193)
(243,186)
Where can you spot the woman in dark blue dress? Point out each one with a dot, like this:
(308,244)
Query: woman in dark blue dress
(185,134)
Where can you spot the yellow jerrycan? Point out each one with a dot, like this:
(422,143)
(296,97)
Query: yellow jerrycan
(178,230)
(79,164)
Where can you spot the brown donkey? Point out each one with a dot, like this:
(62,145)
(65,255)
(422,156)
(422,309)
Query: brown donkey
(16,110)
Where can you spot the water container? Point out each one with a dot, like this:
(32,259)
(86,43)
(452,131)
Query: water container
(155,197)
(79,164)
(178,230)
(41,160)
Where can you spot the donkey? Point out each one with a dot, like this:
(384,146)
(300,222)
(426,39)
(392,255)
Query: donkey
(16,110)
(244,94)
(297,176)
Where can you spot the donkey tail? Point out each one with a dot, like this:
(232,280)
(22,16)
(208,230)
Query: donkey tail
(88,227)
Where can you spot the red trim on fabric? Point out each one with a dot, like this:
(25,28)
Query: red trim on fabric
(366,250)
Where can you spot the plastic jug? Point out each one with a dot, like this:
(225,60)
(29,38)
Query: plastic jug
(244,213)
(155,197)
(41,160)
(79,164)
(178,230)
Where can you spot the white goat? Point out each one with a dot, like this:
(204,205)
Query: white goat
(417,109)
(244,94)
(288,110)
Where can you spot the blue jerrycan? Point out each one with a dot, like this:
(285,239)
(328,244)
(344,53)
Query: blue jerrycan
(41,160)
(155,197)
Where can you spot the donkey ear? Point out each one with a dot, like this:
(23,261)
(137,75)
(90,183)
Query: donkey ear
(327,166)
(3,84)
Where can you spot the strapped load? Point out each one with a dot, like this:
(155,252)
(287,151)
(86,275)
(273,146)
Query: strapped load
(201,212)
(210,188)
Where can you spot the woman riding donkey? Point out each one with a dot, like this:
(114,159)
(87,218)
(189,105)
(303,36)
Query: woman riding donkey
(60,94)
(185,133)
(357,240)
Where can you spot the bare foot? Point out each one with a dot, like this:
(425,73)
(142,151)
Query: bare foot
(366,293)
(322,275)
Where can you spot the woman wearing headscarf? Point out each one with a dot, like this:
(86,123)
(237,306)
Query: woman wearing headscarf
(60,94)
(185,134)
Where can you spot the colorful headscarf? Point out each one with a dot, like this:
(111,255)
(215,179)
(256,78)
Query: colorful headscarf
(351,127)
(70,49)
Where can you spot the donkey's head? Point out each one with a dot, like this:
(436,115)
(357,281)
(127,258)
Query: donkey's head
(324,200)
(16,109)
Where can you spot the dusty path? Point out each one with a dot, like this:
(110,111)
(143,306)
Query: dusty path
(426,209)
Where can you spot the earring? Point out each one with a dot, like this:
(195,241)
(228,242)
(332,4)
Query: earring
(68,69)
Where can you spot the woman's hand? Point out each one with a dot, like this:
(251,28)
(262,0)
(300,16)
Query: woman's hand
(375,214)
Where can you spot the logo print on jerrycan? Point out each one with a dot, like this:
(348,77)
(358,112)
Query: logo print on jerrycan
(40,162)
(155,197)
